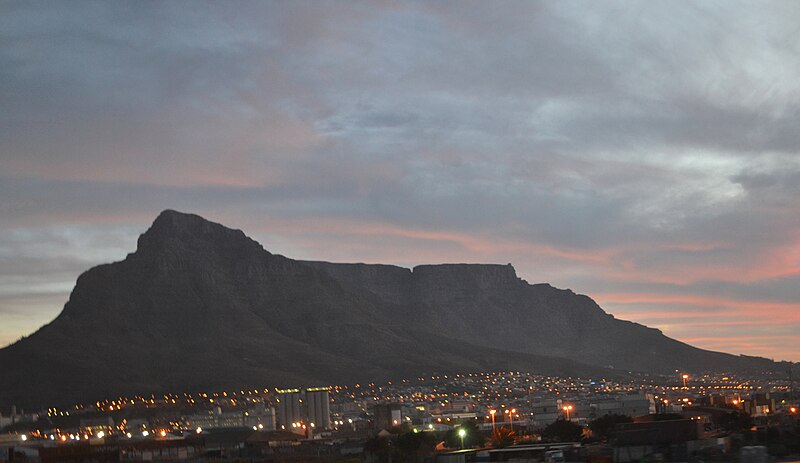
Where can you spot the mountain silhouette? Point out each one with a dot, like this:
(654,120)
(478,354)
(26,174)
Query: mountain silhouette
(200,307)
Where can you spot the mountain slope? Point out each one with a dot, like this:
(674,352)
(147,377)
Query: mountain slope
(199,306)
(528,318)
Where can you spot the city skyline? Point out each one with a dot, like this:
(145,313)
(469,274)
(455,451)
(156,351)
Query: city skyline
(643,154)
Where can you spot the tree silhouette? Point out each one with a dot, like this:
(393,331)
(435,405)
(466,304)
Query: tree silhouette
(603,427)
(563,431)
(503,437)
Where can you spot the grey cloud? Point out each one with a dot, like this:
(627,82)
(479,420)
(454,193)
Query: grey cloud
(625,130)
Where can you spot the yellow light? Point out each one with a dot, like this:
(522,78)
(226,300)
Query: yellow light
(101,435)
(23,437)
(145,433)
(163,433)
(198,430)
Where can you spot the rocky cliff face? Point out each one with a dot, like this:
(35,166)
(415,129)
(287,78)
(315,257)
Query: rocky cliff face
(201,306)
(490,306)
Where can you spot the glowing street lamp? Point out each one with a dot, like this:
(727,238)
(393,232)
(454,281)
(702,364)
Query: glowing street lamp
(685,377)
(492,412)
(461,433)
(567,409)
(510,414)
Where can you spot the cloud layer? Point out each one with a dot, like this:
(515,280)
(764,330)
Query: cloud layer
(645,153)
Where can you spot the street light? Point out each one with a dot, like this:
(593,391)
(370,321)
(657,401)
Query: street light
(685,377)
(510,414)
(567,409)
(461,433)
(492,412)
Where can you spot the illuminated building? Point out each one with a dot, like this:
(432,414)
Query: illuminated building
(317,407)
(290,405)
(387,416)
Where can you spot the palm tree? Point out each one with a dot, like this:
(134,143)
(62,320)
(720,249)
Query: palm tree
(503,437)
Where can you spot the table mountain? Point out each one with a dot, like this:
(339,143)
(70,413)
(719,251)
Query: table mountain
(200,306)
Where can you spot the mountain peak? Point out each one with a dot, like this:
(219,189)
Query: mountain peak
(171,217)
(172,227)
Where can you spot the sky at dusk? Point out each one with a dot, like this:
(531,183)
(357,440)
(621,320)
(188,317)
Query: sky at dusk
(644,153)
